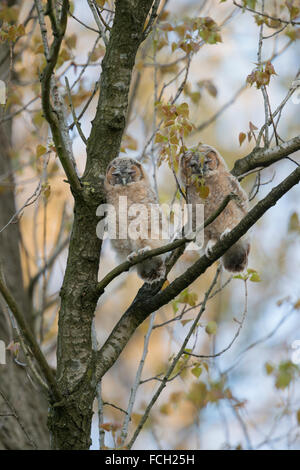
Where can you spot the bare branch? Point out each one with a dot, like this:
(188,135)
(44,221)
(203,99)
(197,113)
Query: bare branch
(223,108)
(77,124)
(173,363)
(241,322)
(152,18)
(136,384)
(55,116)
(265,157)
(151,298)
(94,11)
(265,15)
(58,250)
(16,416)
(29,201)
(159,251)
(30,339)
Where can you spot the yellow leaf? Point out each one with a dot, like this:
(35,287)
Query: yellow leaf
(297,305)
(46,191)
(165,409)
(242,137)
(40,150)
(203,191)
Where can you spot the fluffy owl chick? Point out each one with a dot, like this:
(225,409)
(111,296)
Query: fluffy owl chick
(204,164)
(127,185)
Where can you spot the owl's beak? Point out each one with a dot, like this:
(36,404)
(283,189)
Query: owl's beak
(201,164)
(201,172)
(198,170)
(124,181)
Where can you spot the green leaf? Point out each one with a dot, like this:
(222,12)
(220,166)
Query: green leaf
(240,276)
(197,371)
(284,379)
(197,394)
(250,4)
(255,277)
(175,306)
(160,138)
(211,328)
(298,417)
(183,110)
(294,223)
(186,297)
(269,368)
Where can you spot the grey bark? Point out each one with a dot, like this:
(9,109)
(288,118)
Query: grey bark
(28,429)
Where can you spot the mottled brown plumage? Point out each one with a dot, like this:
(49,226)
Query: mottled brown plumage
(204,165)
(127,177)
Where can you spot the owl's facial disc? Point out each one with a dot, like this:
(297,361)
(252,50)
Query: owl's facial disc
(118,178)
(123,174)
(194,164)
(208,162)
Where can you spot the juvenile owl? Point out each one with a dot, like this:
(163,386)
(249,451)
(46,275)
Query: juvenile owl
(204,165)
(128,189)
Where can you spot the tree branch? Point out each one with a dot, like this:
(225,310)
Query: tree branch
(126,36)
(265,15)
(30,339)
(55,117)
(150,299)
(159,251)
(173,363)
(265,157)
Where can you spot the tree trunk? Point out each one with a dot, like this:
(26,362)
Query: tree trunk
(70,420)
(28,429)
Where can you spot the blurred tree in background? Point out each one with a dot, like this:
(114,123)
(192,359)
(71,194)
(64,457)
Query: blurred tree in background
(203,360)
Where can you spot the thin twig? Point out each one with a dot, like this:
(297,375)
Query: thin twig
(77,124)
(173,363)
(15,415)
(158,251)
(137,381)
(29,201)
(241,322)
(31,341)
(94,11)
(244,7)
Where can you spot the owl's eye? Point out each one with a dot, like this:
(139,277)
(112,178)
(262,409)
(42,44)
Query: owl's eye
(131,172)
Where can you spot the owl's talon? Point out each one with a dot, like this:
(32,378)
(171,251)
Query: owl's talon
(209,247)
(223,234)
(132,256)
(143,250)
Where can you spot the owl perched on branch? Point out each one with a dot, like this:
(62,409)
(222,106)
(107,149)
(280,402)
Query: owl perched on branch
(128,189)
(207,180)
